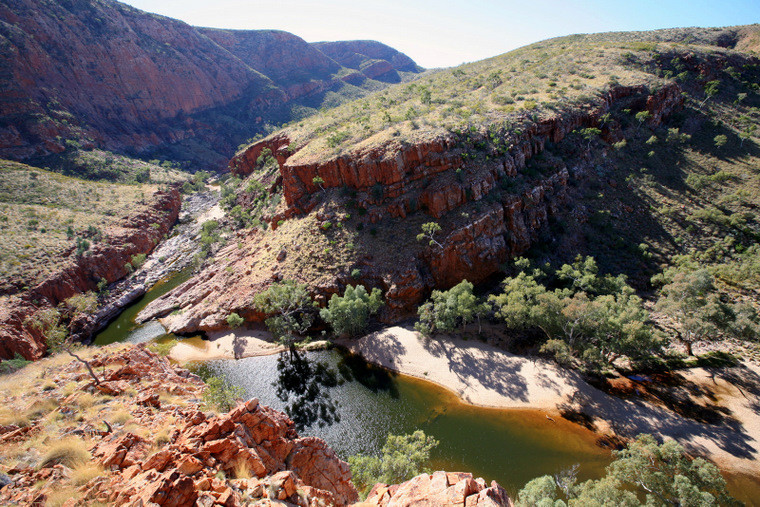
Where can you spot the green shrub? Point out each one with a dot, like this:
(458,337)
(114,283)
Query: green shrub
(234,320)
(138,260)
(401,458)
(220,394)
(349,314)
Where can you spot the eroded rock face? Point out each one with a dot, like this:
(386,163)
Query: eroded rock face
(484,223)
(408,173)
(105,260)
(439,489)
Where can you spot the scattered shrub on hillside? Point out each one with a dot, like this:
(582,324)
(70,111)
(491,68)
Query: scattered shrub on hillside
(11,365)
(138,260)
(429,231)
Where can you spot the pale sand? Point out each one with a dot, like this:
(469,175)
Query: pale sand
(236,344)
(484,375)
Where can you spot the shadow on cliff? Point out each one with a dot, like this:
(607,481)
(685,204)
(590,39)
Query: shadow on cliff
(639,195)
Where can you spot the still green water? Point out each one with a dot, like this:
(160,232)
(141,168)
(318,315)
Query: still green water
(125,329)
(509,446)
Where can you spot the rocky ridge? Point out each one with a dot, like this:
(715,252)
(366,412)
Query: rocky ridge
(374,59)
(139,233)
(169,452)
(400,184)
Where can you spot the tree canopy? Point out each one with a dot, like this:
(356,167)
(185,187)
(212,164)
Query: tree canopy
(661,474)
(401,458)
(290,309)
(446,311)
(349,314)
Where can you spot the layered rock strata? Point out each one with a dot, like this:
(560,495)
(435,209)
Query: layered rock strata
(483,221)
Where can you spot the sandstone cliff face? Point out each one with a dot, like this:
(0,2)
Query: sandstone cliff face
(106,260)
(484,220)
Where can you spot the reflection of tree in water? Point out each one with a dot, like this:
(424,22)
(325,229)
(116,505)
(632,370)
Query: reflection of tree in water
(374,378)
(304,384)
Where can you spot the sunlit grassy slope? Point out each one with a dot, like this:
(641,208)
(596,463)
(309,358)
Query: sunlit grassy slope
(690,186)
(43,214)
(541,79)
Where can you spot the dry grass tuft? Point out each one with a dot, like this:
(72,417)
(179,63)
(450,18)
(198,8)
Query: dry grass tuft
(84,473)
(71,452)
(61,496)
(242,470)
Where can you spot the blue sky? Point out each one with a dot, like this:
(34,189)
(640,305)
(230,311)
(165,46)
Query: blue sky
(441,33)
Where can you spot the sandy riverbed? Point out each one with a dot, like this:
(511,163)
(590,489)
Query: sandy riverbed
(231,345)
(487,376)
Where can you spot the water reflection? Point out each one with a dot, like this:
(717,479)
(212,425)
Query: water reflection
(304,385)
(374,378)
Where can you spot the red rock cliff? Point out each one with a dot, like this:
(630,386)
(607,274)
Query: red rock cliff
(483,222)
(127,80)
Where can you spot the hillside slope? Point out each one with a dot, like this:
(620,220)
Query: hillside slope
(499,155)
(105,74)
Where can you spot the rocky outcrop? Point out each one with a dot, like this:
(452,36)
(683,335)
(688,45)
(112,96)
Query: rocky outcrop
(105,260)
(251,440)
(250,454)
(440,489)
(404,171)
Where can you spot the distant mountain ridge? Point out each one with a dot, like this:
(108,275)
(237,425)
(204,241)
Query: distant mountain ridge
(105,74)
(371,57)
